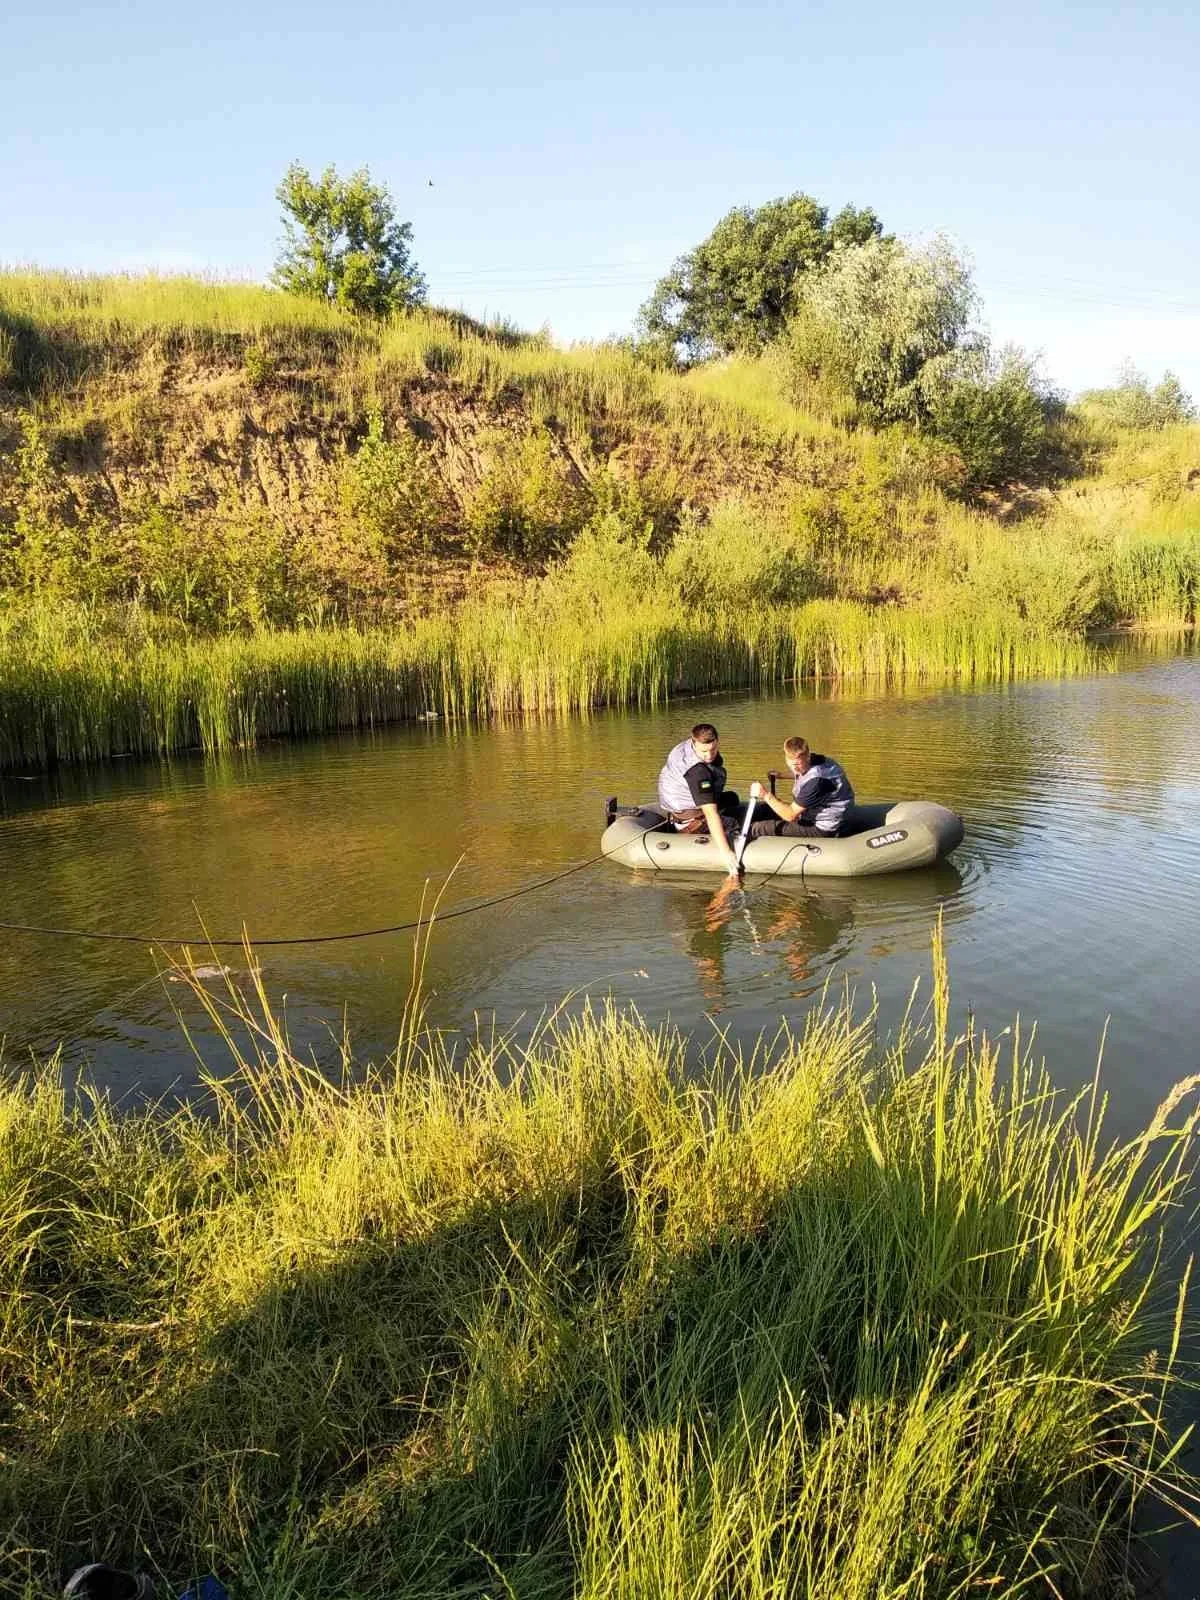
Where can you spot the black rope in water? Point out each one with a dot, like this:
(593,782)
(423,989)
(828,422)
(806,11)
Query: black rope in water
(313,938)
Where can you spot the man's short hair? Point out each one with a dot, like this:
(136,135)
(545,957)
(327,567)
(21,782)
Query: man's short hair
(704,733)
(796,746)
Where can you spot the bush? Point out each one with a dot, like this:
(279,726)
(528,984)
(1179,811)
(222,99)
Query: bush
(996,415)
(260,366)
(390,489)
(229,570)
(874,319)
(1134,404)
(738,557)
(609,570)
(528,504)
(647,502)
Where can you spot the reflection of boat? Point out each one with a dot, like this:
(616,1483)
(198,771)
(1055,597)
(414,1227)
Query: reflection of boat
(873,839)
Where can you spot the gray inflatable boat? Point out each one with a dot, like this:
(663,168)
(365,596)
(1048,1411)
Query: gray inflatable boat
(873,839)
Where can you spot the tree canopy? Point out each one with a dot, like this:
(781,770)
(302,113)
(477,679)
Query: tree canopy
(879,319)
(737,289)
(342,243)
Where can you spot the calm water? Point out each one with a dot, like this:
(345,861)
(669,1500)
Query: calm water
(1071,902)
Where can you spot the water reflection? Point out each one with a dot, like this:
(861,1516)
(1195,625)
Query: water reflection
(1070,900)
(787,936)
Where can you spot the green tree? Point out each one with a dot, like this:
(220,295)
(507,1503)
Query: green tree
(1132,403)
(342,243)
(737,289)
(996,412)
(877,320)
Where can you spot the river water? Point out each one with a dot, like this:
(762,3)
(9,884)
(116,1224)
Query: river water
(1072,901)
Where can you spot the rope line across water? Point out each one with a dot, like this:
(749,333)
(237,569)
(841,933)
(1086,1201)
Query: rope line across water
(312,938)
(326,938)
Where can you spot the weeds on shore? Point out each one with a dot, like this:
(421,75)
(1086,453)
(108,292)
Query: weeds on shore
(71,690)
(645,533)
(570,1319)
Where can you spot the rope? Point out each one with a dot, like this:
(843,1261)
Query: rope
(313,938)
(339,938)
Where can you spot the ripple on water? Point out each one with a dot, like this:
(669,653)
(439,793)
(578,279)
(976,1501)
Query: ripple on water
(1070,899)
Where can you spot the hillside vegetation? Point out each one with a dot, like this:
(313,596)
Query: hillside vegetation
(181,460)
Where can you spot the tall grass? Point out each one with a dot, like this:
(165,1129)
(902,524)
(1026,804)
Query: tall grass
(734,505)
(572,1319)
(69,691)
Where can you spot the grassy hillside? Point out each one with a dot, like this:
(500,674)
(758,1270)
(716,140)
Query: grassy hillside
(181,460)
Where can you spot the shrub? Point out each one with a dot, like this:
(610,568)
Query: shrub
(995,413)
(38,549)
(260,365)
(227,570)
(608,571)
(391,489)
(874,317)
(737,557)
(649,501)
(1134,404)
(528,503)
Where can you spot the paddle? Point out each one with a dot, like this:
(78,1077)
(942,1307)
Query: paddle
(739,848)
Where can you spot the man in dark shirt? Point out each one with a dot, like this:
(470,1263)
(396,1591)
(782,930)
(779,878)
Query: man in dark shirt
(692,792)
(821,796)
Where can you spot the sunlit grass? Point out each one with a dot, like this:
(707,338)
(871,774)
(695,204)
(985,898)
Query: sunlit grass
(919,585)
(72,691)
(576,1318)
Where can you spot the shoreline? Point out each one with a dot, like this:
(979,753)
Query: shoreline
(874,1311)
(70,697)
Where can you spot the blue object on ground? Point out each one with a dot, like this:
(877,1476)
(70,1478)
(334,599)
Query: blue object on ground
(206,1588)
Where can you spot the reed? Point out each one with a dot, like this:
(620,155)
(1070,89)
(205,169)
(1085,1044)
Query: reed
(70,690)
(574,1318)
(753,506)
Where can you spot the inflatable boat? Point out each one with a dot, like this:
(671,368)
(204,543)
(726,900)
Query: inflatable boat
(873,839)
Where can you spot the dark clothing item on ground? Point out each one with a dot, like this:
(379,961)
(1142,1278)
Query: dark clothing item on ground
(99,1581)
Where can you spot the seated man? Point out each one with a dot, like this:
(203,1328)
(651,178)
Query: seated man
(821,796)
(692,792)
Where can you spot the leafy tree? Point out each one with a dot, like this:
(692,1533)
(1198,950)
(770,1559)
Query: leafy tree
(738,288)
(343,244)
(996,412)
(1134,404)
(878,319)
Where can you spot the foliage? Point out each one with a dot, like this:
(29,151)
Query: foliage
(878,320)
(343,244)
(529,503)
(77,683)
(260,365)
(391,489)
(1134,404)
(728,560)
(737,289)
(647,502)
(996,412)
(609,570)
(584,1319)
(35,556)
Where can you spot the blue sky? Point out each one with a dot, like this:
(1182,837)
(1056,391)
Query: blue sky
(575,151)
